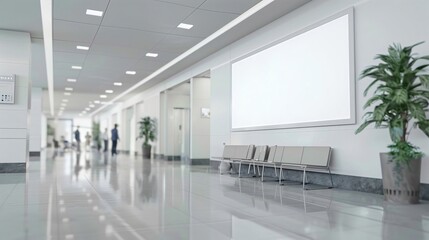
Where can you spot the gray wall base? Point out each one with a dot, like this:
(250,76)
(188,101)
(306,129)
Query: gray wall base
(361,184)
(172,158)
(13,167)
(200,161)
(34,154)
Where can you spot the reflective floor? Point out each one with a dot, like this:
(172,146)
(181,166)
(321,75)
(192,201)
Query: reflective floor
(93,196)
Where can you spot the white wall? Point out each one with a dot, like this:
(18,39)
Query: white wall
(200,127)
(35,123)
(378,23)
(15,53)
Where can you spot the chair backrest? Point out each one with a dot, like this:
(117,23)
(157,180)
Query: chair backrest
(278,154)
(292,155)
(250,152)
(240,151)
(257,153)
(270,158)
(228,151)
(261,153)
(316,156)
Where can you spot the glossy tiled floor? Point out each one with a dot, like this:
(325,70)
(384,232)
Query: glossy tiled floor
(92,196)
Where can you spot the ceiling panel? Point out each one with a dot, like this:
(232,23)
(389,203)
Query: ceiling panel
(107,74)
(228,6)
(205,23)
(75,11)
(67,57)
(116,51)
(177,44)
(75,32)
(189,3)
(136,39)
(146,15)
(21,15)
(68,46)
(105,62)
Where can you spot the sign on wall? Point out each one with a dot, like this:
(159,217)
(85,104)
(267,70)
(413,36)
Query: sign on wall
(7,89)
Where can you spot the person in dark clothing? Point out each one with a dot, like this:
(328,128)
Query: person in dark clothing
(77,138)
(115,138)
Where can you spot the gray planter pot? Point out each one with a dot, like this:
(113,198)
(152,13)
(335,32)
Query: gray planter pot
(146,151)
(401,182)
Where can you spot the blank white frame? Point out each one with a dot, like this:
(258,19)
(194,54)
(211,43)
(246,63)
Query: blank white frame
(345,88)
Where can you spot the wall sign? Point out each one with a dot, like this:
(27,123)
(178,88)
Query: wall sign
(7,89)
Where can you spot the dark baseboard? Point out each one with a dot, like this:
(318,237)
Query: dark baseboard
(158,156)
(172,158)
(34,154)
(13,167)
(200,161)
(346,182)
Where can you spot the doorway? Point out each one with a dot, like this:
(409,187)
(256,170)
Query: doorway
(181,146)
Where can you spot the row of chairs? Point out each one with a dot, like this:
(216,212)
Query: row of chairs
(278,157)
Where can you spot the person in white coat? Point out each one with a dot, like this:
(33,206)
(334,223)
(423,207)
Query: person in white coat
(106,140)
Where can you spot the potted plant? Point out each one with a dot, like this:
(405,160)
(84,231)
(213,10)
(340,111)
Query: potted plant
(147,132)
(400,100)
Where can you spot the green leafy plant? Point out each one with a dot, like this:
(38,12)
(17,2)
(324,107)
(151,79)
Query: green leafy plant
(147,130)
(400,98)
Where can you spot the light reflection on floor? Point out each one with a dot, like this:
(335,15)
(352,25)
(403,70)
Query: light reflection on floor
(94,196)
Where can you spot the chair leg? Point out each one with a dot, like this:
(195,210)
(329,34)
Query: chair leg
(280,175)
(248,169)
(303,180)
(263,170)
(332,182)
(275,170)
(239,170)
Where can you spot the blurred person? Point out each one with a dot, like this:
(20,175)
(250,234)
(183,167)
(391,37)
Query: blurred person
(115,139)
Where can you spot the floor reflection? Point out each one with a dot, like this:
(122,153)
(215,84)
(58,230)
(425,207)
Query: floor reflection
(91,195)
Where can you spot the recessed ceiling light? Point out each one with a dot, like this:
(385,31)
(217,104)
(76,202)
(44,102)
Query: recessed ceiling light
(131,72)
(87,109)
(117,84)
(109,91)
(67,94)
(71,80)
(69,89)
(103,96)
(82,47)
(97,102)
(65,100)
(94,12)
(80,114)
(185,26)
(83,112)
(91,105)
(151,54)
(77,67)
(63,104)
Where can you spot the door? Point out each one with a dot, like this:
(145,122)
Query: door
(181,134)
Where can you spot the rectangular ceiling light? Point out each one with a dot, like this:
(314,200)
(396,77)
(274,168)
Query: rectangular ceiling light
(65,100)
(185,26)
(82,48)
(117,84)
(131,72)
(97,102)
(94,12)
(71,80)
(76,67)
(151,54)
(109,91)
(103,96)
(67,94)
(69,89)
